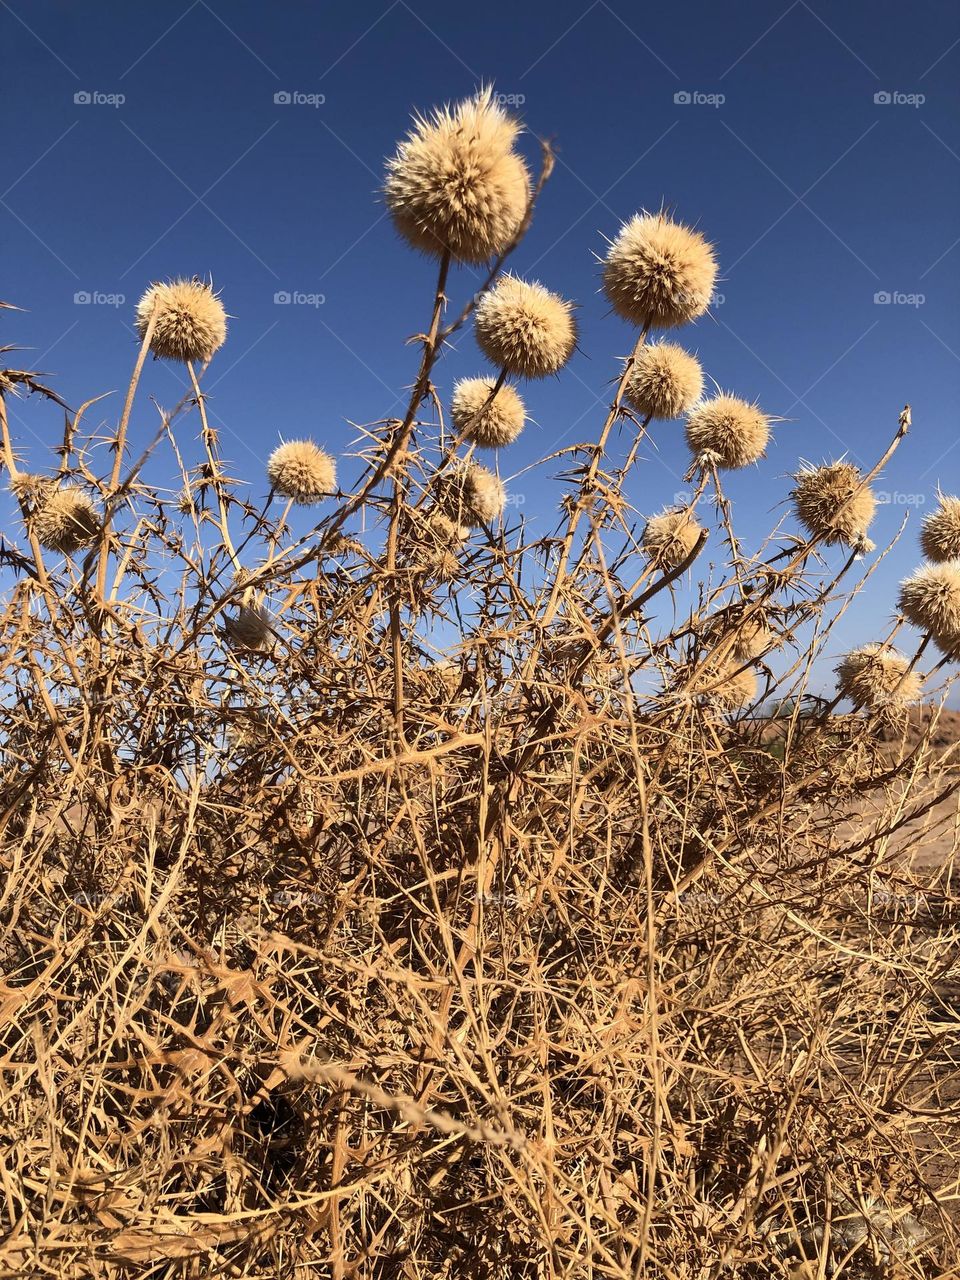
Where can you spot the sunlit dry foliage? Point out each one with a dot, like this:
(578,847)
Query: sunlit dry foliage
(467,884)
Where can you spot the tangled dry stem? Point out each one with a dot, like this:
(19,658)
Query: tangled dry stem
(325,955)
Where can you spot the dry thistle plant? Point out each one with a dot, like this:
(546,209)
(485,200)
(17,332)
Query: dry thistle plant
(418,898)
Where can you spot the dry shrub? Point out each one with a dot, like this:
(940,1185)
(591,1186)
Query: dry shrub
(834,504)
(403,901)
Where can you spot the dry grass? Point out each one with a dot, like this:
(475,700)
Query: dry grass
(337,955)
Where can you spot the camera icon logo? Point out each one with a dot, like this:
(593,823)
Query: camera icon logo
(882,99)
(682,98)
(81,298)
(882,298)
(281,298)
(82,98)
(282,99)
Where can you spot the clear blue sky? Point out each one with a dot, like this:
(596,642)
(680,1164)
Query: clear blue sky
(816,196)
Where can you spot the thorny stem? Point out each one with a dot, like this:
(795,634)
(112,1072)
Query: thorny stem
(451,453)
(209,437)
(586,484)
(546,168)
(804,551)
(420,390)
(119,444)
(401,434)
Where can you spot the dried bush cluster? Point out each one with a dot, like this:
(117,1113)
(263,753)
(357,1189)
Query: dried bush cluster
(422,898)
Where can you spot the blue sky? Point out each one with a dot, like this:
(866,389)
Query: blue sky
(817,196)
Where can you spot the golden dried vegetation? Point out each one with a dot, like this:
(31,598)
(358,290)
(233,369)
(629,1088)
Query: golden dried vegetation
(449,888)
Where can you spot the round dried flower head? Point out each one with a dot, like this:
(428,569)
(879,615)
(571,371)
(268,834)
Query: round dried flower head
(187,502)
(251,628)
(301,470)
(441,564)
(457,183)
(731,432)
(524,328)
(670,537)
(438,530)
(930,599)
(831,504)
(744,638)
(28,487)
(66,519)
(658,272)
(727,685)
(447,675)
(876,677)
(492,425)
(753,639)
(191,322)
(940,531)
(437,539)
(665,381)
(475,497)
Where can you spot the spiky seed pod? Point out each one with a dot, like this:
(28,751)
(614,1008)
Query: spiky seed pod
(524,328)
(752,639)
(474,497)
(457,183)
(437,541)
(876,677)
(65,519)
(831,505)
(728,431)
(440,531)
(665,381)
(738,688)
(727,685)
(301,470)
(484,496)
(930,599)
(186,502)
(658,272)
(27,487)
(448,675)
(940,531)
(251,628)
(499,423)
(191,322)
(442,565)
(746,639)
(670,537)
